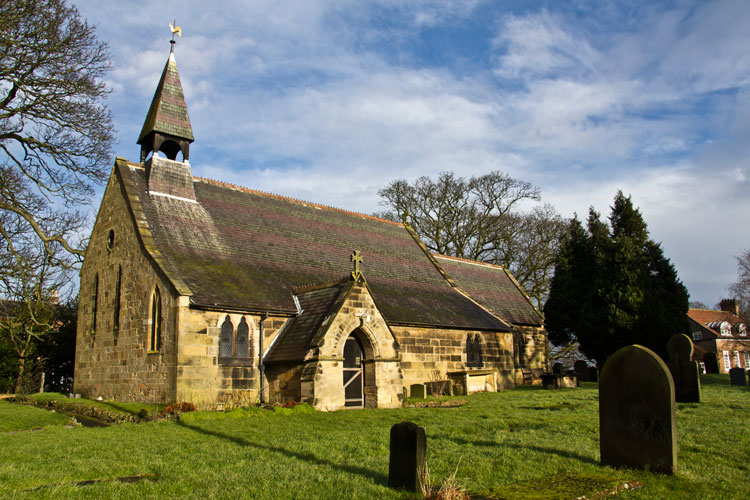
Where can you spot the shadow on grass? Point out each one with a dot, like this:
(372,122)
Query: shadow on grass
(715,379)
(380,479)
(119,408)
(540,449)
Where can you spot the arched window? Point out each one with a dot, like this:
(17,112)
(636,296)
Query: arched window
(473,350)
(243,332)
(154,337)
(116,319)
(225,341)
(95,308)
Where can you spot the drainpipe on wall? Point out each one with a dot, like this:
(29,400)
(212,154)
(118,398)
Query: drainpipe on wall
(261,335)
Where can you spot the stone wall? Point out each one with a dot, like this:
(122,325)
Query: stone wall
(429,354)
(209,380)
(114,362)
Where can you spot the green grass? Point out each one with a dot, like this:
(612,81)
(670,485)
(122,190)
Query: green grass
(14,417)
(528,444)
(110,407)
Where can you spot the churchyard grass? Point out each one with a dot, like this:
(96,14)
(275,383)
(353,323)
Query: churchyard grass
(528,444)
(14,417)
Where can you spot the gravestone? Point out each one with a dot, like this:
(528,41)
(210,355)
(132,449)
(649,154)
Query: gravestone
(737,376)
(593,374)
(557,368)
(637,412)
(685,371)
(582,370)
(408,451)
(417,391)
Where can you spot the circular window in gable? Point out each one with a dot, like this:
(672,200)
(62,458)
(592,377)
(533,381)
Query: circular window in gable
(110,239)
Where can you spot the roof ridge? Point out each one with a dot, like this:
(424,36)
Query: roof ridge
(469,261)
(319,286)
(292,200)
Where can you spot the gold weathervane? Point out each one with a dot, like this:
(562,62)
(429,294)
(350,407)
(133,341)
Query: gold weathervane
(175,29)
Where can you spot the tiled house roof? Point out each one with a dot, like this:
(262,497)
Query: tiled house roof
(711,319)
(168,112)
(493,288)
(246,250)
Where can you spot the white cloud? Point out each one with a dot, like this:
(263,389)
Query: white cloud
(330,100)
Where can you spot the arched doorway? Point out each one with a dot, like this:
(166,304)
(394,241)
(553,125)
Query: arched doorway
(354,373)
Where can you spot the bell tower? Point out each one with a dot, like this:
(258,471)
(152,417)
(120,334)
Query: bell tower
(167,126)
(167,129)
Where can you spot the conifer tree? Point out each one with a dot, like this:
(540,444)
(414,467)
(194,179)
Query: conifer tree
(613,287)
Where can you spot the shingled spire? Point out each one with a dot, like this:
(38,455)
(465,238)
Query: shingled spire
(167,126)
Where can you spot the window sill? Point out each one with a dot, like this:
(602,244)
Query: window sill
(237,361)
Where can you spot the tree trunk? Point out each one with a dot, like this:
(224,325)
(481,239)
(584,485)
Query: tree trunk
(19,380)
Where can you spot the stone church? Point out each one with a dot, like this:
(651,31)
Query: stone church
(201,291)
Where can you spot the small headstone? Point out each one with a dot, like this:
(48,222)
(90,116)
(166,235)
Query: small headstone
(408,451)
(737,376)
(593,374)
(582,370)
(417,391)
(685,371)
(557,368)
(637,412)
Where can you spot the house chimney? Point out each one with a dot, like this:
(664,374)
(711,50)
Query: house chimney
(730,305)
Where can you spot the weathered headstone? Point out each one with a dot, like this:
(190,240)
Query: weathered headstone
(637,411)
(557,368)
(417,391)
(737,376)
(582,370)
(711,362)
(685,371)
(408,451)
(593,374)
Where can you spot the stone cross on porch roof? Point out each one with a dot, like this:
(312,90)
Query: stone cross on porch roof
(357,259)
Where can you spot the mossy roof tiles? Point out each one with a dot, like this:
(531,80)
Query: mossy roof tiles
(247,250)
(168,112)
(492,287)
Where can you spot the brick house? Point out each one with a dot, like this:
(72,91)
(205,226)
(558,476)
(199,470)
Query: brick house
(202,291)
(720,337)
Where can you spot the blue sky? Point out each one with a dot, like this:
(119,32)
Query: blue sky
(328,101)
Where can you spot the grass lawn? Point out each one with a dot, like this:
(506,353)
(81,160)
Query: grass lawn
(521,444)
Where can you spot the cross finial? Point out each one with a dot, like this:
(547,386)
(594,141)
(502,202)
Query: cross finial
(357,259)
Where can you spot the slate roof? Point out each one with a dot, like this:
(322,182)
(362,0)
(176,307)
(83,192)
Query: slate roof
(494,288)
(246,250)
(168,112)
(319,305)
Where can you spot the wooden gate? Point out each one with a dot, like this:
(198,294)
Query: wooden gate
(353,374)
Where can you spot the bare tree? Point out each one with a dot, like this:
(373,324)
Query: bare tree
(55,132)
(31,278)
(741,288)
(480,219)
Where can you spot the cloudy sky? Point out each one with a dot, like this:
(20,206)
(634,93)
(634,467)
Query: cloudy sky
(330,100)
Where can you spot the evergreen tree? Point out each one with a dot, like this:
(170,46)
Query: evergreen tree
(613,287)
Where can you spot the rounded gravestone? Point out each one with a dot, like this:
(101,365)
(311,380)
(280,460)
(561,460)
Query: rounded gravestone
(557,368)
(582,370)
(637,411)
(685,371)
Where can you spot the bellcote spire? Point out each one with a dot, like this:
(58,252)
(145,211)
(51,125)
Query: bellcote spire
(167,126)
